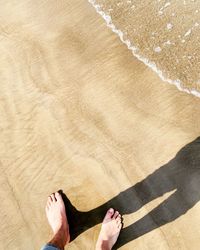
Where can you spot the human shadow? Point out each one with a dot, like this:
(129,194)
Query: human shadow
(182,174)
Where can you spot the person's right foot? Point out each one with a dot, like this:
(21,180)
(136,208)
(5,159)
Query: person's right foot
(56,215)
(110,230)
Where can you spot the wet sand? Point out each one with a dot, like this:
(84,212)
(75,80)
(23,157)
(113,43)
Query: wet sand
(164,35)
(80,113)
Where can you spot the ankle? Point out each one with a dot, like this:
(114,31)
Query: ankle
(57,244)
(60,239)
(103,245)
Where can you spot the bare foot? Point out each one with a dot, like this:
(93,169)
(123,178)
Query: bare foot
(110,230)
(56,215)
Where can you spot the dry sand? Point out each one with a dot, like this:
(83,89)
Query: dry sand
(80,113)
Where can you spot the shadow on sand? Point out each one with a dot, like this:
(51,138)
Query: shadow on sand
(181,173)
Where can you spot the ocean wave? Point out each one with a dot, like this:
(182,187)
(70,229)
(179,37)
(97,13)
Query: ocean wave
(174,59)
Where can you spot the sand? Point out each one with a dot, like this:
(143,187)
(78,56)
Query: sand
(80,113)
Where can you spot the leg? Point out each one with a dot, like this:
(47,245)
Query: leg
(49,247)
(110,230)
(56,215)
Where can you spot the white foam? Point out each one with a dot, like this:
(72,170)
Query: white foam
(165,6)
(188,32)
(134,50)
(157,49)
(169,26)
(168,42)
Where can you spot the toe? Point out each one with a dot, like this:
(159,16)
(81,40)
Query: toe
(58,196)
(116,214)
(119,226)
(118,219)
(53,197)
(49,199)
(109,214)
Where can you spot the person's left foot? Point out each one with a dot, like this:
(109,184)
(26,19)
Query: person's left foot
(110,230)
(56,215)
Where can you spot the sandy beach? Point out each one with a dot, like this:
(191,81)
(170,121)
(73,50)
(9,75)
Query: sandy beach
(80,113)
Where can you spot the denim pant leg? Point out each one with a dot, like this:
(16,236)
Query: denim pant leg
(49,247)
